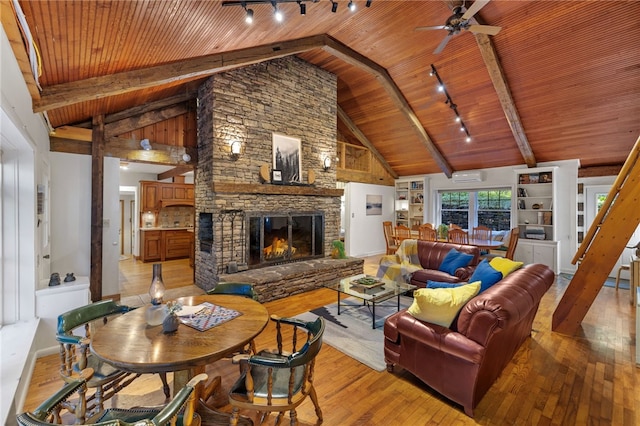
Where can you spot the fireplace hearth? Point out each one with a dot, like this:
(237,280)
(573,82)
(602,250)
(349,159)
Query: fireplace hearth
(283,237)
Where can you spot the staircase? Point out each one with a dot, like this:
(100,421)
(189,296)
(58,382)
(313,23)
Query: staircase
(602,246)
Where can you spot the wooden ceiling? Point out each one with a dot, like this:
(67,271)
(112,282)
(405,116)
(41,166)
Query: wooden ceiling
(564,82)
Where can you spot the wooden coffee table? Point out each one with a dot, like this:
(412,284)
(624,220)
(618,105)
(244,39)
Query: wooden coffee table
(370,296)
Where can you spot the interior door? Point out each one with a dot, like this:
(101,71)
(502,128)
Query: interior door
(594,197)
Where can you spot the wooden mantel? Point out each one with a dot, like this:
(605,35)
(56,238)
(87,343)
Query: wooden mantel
(270,189)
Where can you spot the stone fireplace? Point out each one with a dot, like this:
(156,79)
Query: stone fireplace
(242,221)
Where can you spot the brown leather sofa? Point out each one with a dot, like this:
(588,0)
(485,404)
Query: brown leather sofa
(463,361)
(431,255)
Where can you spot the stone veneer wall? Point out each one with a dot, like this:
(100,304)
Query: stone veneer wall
(287,96)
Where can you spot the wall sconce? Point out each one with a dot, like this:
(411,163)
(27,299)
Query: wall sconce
(236,149)
(326,163)
(145,144)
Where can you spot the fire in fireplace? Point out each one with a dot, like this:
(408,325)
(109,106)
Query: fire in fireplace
(284,237)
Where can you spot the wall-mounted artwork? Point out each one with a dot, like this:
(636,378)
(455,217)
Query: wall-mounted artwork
(374,205)
(286,157)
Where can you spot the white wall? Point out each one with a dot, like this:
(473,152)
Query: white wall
(70,213)
(111,227)
(363,234)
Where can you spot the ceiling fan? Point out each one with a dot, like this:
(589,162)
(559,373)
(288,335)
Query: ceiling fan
(462,19)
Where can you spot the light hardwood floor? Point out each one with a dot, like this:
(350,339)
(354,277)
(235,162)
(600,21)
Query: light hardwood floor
(553,379)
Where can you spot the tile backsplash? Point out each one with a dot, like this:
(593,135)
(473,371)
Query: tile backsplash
(176,217)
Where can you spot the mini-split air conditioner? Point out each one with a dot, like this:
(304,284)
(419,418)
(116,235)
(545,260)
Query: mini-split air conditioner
(466,177)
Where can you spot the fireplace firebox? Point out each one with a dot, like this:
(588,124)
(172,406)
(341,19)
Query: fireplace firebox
(284,237)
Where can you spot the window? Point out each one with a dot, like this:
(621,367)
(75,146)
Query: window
(490,208)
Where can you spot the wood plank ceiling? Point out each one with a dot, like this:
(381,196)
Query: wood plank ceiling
(572,69)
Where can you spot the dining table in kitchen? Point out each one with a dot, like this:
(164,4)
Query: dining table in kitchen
(129,343)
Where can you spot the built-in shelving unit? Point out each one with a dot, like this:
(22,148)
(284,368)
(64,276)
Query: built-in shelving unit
(535,216)
(409,203)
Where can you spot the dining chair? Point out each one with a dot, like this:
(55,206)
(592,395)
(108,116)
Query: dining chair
(75,354)
(389,237)
(402,233)
(481,233)
(427,233)
(180,411)
(514,234)
(237,289)
(458,236)
(279,380)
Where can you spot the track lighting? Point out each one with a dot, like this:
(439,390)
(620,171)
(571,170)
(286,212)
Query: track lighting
(303,8)
(449,101)
(334,6)
(368,3)
(278,13)
(352,6)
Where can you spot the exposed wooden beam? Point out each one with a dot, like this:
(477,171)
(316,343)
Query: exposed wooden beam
(354,58)
(126,149)
(65,94)
(97,206)
(597,171)
(176,171)
(496,73)
(147,119)
(364,140)
(12,29)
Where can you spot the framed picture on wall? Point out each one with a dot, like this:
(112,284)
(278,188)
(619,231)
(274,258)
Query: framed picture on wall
(374,205)
(287,157)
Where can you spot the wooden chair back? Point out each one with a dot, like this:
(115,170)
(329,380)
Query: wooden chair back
(427,233)
(389,237)
(402,233)
(75,354)
(279,379)
(481,233)
(513,242)
(458,236)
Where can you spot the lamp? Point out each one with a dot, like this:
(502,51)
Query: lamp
(441,88)
(326,163)
(145,144)
(236,149)
(157,289)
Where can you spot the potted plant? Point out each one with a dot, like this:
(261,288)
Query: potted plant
(443,231)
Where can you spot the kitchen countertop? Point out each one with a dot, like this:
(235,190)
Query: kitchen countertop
(176,228)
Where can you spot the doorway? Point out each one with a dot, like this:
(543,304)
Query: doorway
(595,196)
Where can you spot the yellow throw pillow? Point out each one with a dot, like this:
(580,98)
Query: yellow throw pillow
(441,305)
(504,265)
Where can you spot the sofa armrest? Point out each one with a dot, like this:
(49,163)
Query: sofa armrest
(465,273)
(439,338)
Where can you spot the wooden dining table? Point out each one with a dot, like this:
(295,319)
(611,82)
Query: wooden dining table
(129,343)
(482,244)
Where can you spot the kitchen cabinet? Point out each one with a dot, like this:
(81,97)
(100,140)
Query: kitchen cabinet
(149,195)
(152,246)
(177,244)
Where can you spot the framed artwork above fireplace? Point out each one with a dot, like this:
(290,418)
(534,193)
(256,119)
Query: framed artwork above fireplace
(286,157)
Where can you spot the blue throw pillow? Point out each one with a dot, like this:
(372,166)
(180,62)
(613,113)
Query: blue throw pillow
(486,274)
(439,284)
(454,260)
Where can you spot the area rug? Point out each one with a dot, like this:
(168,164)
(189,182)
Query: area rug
(351,332)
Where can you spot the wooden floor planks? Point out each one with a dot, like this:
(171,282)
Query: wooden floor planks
(553,379)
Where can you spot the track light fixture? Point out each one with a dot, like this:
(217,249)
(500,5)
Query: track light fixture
(278,13)
(441,88)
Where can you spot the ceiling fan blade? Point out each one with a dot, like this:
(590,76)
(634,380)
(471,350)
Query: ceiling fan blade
(436,27)
(484,29)
(475,7)
(442,44)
